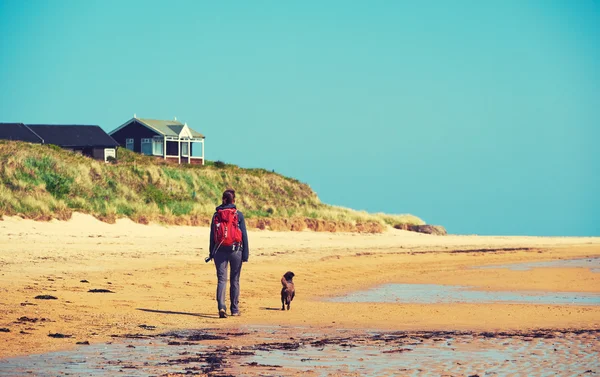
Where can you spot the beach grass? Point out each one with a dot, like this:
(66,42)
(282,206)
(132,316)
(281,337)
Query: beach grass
(44,182)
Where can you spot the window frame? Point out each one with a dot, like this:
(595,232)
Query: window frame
(109,151)
(145,141)
(156,141)
(187,153)
(130,142)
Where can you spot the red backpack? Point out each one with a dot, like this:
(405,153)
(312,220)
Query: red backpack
(226,227)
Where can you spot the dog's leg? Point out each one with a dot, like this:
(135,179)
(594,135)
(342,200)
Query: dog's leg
(282,302)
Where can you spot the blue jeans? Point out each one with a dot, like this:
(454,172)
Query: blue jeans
(223,257)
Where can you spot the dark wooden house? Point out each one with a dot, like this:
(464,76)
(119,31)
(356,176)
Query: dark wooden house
(91,141)
(165,139)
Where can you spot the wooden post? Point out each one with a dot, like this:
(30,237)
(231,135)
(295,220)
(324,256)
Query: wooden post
(179,149)
(202,151)
(164,147)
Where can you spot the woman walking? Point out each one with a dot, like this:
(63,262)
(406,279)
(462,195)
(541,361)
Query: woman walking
(228,246)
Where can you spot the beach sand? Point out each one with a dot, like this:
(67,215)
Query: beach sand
(158,278)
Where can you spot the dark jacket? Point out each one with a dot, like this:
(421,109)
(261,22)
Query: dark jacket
(241,224)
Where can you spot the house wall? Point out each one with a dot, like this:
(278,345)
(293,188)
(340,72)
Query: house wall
(95,153)
(136,131)
(98,153)
(82,150)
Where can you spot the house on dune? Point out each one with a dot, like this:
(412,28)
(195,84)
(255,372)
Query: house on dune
(90,141)
(170,140)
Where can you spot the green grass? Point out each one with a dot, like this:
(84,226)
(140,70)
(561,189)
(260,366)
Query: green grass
(44,182)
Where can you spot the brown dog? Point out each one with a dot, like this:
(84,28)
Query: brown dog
(288,291)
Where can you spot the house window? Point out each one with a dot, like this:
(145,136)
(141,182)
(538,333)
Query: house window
(129,144)
(109,152)
(184,149)
(147,146)
(157,147)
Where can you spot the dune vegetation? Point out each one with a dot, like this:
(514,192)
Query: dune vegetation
(43,182)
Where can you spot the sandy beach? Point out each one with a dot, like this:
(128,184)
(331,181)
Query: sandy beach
(158,279)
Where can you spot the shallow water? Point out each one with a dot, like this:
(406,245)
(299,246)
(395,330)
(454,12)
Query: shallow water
(593,264)
(127,358)
(433,293)
(462,355)
(544,353)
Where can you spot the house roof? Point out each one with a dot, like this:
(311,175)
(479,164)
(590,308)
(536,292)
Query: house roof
(168,127)
(18,131)
(163,127)
(73,135)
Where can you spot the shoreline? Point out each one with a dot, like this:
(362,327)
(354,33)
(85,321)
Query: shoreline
(161,269)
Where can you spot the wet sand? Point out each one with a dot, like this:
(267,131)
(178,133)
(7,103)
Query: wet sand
(157,278)
(278,351)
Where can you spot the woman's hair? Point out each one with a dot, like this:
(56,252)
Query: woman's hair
(228,196)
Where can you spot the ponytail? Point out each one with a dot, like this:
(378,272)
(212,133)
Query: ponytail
(228,197)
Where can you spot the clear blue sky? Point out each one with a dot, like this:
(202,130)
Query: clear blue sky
(482,116)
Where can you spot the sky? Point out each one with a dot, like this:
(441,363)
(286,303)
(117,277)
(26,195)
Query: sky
(481,116)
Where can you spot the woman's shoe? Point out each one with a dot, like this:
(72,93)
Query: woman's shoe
(222,313)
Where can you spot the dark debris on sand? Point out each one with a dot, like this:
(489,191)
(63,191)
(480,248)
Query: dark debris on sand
(236,333)
(133,336)
(100,290)
(197,337)
(32,320)
(475,251)
(214,362)
(194,336)
(176,343)
(255,364)
(190,372)
(46,297)
(399,350)
(59,335)
(284,346)
(241,353)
